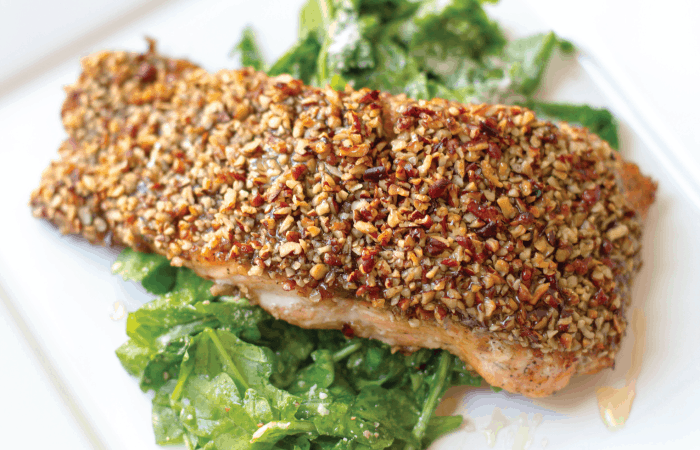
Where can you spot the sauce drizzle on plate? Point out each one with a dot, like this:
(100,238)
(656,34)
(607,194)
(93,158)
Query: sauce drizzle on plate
(615,404)
(497,423)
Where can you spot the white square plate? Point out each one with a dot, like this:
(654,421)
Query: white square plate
(63,289)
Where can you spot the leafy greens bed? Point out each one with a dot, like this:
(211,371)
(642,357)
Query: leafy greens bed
(227,375)
(431,48)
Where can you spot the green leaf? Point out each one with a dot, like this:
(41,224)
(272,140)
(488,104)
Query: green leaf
(189,288)
(153,271)
(374,365)
(294,443)
(272,432)
(248,365)
(291,346)
(320,374)
(161,333)
(371,404)
(211,409)
(166,423)
(393,71)
(567,47)
(439,384)
(348,350)
(598,120)
(512,76)
(330,412)
(257,406)
(219,366)
(310,18)
(442,30)
(440,425)
(463,377)
(417,87)
(394,409)
(164,365)
(338,82)
(248,49)
(348,45)
(528,59)
(300,60)
(134,357)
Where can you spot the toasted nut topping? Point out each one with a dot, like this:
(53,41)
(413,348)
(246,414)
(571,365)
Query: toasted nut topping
(618,232)
(289,247)
(365,227)
(319,271)
(480,216)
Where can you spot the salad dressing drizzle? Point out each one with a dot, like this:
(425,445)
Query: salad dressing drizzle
(521,429)
(524,435)
(615,404)
(119,311)
(523,439)
(497,423)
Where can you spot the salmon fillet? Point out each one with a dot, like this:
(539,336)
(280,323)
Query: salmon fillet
(509,241)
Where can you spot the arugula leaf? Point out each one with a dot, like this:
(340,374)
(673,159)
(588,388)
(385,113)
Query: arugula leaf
(257,406)
(369,405)
(164,365)
(229,376)
(310,18)
(248,48)
(189,288)
(292,346)
(134,357)
(153,271)
(207,398)
(320,374)
(166,422)
(160,331)
(440,425)
(272,432)
(434,48)
(300,442)
(438,386)
(300,60)
(210,409)
(397,69)
(598,120)
(417,87)
(331,413)
(462,377)
(374,365)
(348,44)
(512,76)
(528,58)
(441,30)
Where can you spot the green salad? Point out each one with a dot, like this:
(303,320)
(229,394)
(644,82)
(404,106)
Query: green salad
(432,48)
(226,374)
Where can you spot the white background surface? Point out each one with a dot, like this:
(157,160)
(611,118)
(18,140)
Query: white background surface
(37,34)
(651,48)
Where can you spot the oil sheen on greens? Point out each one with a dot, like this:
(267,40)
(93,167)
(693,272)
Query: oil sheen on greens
(227,375)
(433,48)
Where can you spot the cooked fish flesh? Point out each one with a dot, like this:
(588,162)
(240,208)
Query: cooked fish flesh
(507,240)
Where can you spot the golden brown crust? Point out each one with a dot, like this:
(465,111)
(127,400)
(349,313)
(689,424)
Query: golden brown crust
(479,215)
(503,364)
(639,190)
